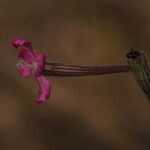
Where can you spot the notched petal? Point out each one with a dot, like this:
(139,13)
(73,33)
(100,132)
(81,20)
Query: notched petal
(40,64)
(26,55)
(18,43)
(44,89)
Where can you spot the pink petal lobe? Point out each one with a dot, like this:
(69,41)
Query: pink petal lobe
(44,89)
(26,55)
(40,59)
(18,43)
(25,71)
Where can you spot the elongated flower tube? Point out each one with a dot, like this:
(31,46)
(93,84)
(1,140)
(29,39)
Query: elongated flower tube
(32,62)
(64,70)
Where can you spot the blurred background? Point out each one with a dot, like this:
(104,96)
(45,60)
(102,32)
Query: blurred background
(107,112)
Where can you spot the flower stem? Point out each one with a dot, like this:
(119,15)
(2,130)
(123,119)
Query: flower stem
(140,68)
(59,69)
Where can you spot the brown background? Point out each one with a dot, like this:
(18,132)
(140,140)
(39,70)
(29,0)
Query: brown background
(88,113)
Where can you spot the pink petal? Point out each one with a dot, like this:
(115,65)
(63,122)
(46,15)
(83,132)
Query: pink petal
(26,55)
(40,58)
(44,89)
(25,71)
(18,43)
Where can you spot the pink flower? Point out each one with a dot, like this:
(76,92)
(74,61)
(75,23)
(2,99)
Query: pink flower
(32,62)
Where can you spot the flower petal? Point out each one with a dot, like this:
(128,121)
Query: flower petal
(40,59)
(26,55)
(44,89)
(17,43)
(25,71)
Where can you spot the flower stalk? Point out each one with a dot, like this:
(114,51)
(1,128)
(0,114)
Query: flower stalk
(140,69)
